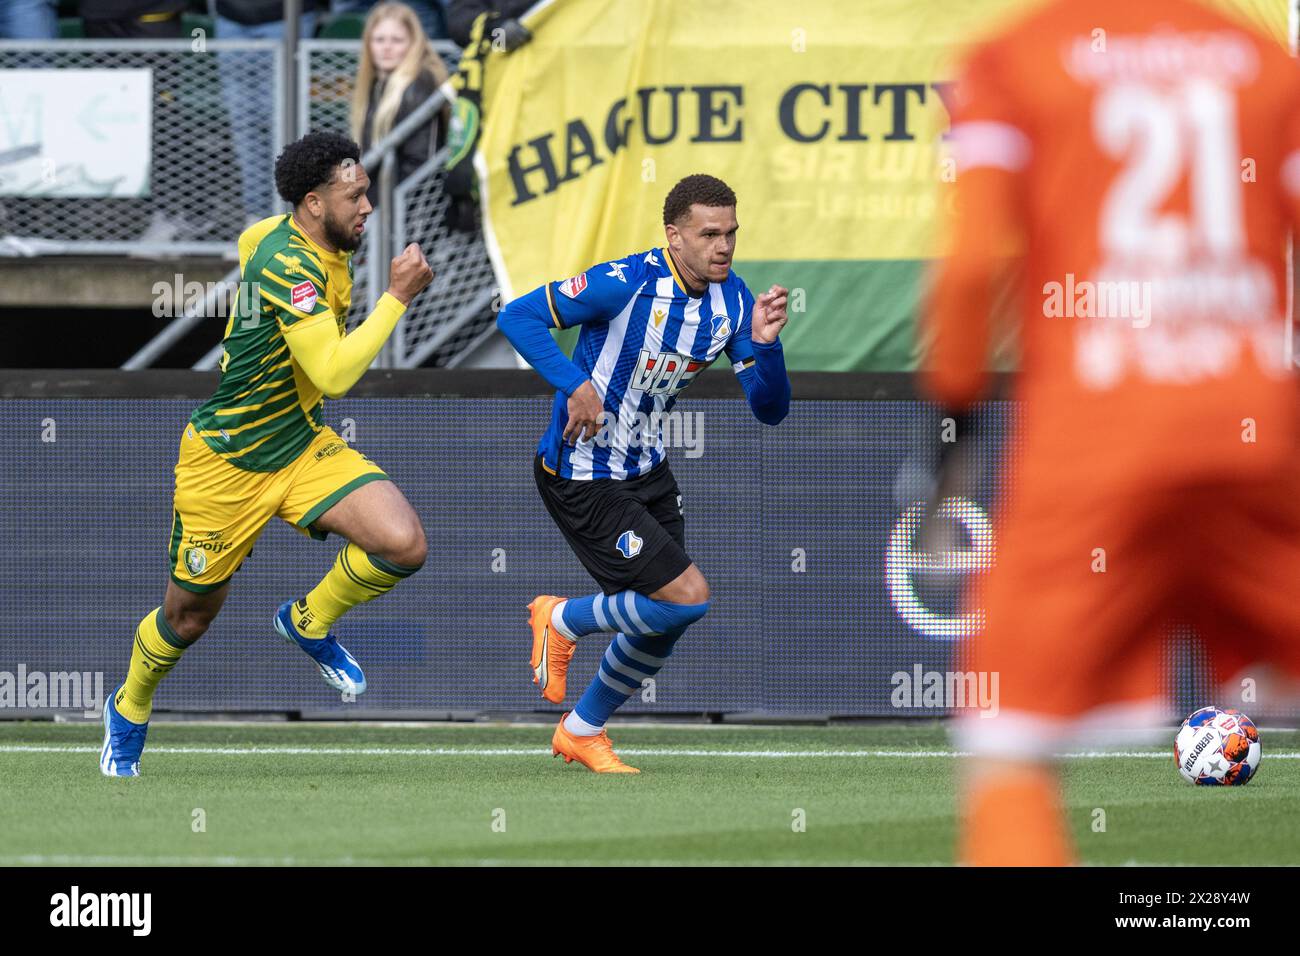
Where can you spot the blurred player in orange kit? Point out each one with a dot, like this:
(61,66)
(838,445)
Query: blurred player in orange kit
(1144,160)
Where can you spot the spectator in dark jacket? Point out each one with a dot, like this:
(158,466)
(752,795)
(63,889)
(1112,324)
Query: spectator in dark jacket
(132,19)
(462,13)
(246,91)
(399,70)
(258,13)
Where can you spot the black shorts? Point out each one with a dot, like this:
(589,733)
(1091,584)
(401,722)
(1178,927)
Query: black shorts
(630,535)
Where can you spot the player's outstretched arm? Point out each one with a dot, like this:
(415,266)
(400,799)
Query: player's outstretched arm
(759,360)
(335,364)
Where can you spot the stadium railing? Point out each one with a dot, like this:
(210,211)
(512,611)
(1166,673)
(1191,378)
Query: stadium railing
(197,198)
(454,315)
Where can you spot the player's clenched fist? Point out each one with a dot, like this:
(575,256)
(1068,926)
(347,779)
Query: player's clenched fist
(769,316)
(585,407)
(409,274)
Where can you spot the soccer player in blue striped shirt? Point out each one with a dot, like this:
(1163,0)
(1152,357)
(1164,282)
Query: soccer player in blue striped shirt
(650,322)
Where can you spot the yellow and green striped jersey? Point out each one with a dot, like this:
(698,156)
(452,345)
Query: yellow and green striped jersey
(266,410)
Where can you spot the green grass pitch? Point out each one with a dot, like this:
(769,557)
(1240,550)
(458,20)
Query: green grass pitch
(334,794)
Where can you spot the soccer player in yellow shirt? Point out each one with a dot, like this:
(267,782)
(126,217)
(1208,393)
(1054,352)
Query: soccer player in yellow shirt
(259,449)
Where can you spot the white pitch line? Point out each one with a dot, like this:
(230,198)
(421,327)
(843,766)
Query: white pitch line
(466,726)
(538,751)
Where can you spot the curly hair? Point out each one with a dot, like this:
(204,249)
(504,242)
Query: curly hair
(697,189)
(310,163)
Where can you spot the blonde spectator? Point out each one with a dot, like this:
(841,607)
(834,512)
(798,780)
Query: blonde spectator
(399,70)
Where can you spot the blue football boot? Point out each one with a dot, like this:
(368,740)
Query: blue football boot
(123,743)
(338,668)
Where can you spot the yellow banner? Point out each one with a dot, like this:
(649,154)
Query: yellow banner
(825,116)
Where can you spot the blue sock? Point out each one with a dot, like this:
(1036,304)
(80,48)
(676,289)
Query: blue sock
(628,661)
(629,613)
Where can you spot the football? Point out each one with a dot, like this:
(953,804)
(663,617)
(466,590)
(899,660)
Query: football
(1217,748)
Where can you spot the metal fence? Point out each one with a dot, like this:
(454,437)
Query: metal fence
(216,131)
(450,318)
(454,314)
(327,70)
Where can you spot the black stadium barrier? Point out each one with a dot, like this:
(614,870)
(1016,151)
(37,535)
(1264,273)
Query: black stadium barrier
(803,530)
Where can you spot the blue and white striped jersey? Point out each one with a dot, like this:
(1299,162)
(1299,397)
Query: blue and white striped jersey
(643,340)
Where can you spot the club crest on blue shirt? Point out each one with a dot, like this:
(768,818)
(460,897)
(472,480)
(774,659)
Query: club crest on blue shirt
(629,545)
(721,326)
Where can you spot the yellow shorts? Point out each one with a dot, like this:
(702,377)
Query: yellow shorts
(219,510)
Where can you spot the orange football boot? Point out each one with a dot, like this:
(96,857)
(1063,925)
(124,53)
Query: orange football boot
(595,753)
(551,651)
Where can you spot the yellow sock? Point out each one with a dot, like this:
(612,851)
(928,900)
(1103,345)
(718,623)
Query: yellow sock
(156,650)
(355,578)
